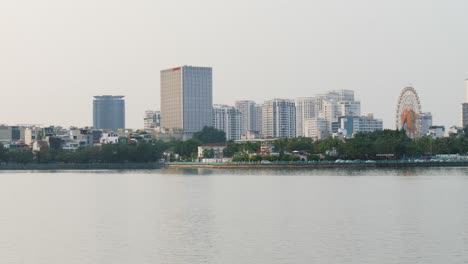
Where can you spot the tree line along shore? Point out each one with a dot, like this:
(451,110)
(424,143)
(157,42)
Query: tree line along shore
(378,145)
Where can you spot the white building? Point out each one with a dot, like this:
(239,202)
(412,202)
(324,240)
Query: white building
(352,108)
(186,98)
(306,108)
(436,131)
(329,112)
(279,118)
(367,124)
(216,148)
(341,95)
(82,137)
(228,119)
(317,128)
(109,138)
(152,119)
(354,124)
(248,111)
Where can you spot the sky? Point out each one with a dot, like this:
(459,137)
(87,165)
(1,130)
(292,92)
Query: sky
(55,55)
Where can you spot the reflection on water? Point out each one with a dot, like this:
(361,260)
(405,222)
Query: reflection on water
(235,216)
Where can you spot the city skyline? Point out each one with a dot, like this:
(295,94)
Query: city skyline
(142,118)
(50,70)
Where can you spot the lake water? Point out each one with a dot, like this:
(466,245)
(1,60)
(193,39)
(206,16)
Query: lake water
(245,216)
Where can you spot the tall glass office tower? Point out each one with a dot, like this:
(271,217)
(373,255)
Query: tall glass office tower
(186,98)
(109,112)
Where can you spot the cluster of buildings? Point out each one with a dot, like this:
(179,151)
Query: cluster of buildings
(187,106)
(108,128)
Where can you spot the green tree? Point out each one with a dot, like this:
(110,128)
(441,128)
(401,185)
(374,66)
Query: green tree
(210,135)
(231,149)
(3,153)
(21,155)
(208,153)
(255,158)
(300,144)
(187,149)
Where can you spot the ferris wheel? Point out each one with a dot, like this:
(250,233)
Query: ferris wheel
(409,114)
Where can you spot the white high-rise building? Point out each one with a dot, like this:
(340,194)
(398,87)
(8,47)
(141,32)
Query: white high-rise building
(306,108)
(327,106)
(349,108)
(330,112)
(186,98)
(152,119)
(228,119)
(248,110)
(279,118)
(341,95)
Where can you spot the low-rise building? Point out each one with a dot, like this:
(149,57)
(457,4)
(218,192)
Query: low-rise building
(109,138)
(152,119)
(455,131)
(354,124)
(40,145)
(436,131)
(217,151)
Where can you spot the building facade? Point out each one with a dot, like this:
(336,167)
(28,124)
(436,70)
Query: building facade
(367,124)
(228,119)
(279,118)
(186,98)
(426,123)
(258,118)
(464,115)
(109,112)
(249,115)
(317,128)
(464,109)
(353,124)
(306,108)
(152,119)
(436,131)
(352,108)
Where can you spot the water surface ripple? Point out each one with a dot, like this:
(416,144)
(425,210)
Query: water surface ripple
(235,216)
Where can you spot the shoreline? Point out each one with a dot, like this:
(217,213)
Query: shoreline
(199,165)
(97,166)
(314,165)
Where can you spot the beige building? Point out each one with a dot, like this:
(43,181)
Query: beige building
(186,98)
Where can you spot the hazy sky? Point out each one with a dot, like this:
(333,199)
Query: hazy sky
(56,54)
